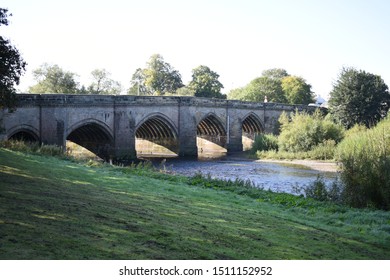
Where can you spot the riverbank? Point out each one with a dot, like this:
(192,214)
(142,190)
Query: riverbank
(323,166)
(59,209)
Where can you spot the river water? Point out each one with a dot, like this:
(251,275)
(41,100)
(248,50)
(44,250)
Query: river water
(278,177)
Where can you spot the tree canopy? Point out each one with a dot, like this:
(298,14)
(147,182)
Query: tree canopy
(275,85)
(53,79)
(103,84)
(205,83)
(359,97)
(296,90)
(158,78)
(12,66)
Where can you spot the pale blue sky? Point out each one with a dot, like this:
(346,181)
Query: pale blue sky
(237,39)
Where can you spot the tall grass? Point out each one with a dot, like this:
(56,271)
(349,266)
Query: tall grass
(32,147)
(365,161)
(265,142)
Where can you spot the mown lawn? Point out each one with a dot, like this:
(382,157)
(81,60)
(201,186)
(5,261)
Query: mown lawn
(58,209)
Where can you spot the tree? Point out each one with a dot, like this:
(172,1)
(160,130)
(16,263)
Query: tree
(12,66)
(138,86)
(237,93)
(185,91)
(205,83)
(275,73)
(359,97)
(102,84)
(158,77)
(297,91)
(260,88)
(278,86)
(53,79)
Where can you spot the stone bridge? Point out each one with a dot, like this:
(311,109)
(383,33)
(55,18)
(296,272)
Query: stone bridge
(124,127)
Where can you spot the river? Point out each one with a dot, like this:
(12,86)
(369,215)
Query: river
(275,176)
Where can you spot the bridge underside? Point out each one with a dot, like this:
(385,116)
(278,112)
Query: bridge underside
(251,127)
(156,137)
(211,136)
(94,138)
(24,135)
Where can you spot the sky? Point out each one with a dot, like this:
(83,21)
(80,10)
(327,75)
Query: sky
(238,39)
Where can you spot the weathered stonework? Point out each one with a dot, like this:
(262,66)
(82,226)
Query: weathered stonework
(107,125)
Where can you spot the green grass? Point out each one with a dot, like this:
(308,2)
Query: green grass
(52,208)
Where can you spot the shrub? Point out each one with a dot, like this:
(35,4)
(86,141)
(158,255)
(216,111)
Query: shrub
(50,150)
(304,132)
(323,151)
(320,191)
(265,142)
(365,161)
(32,147)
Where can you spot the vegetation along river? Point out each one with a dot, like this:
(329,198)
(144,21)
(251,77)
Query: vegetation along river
(278,176)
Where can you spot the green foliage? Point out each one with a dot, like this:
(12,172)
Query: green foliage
(53,79)
(323,151)
(103,84)
(365,161)
(275,73)
(359,97)
(265,142)
(32,148)
(185,91)
(304,132)
(356,129)
(260,88)
(237,94)
(12,66)
(275,85)
(297,91)
(138,86)
(158,78)
(205,83)
(318,190)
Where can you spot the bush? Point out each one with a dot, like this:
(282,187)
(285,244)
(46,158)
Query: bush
(323,151)
(365,161)
(318,190)
(50,150)
(32,147)
(304,132)
(265,142)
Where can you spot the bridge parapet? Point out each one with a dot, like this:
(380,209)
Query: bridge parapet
(101,100)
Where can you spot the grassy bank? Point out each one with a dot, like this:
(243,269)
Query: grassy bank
(58,209)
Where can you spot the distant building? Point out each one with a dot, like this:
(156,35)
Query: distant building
(320,102)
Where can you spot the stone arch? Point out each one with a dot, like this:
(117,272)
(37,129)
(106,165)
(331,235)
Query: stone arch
(156,135)
(251,126)
(24,133)
(211,135)
(93,135)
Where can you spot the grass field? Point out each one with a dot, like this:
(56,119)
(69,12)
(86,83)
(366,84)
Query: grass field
(52,208)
